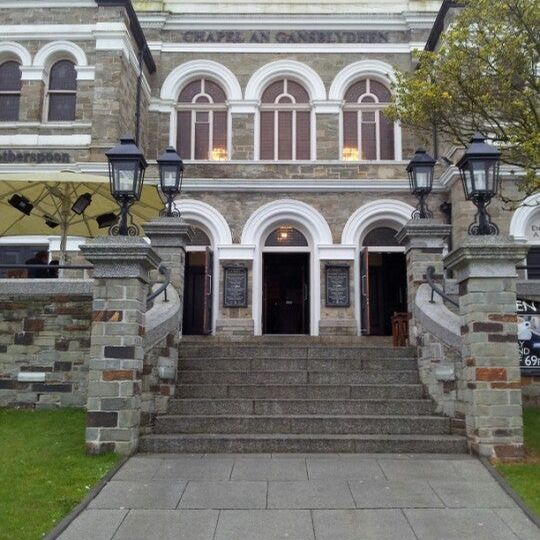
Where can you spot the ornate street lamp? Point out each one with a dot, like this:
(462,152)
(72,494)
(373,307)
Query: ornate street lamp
(479,169)
(171,173)
(420,170)
(126,174)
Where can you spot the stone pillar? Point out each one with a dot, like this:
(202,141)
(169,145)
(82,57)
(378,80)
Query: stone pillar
(121,283)
(489,393)
(425,242)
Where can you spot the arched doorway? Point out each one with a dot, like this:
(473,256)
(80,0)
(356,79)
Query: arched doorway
(286,276)
(383,280)
(198,284)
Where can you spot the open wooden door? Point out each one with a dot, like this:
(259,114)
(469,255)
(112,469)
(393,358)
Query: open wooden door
(365,329)
(208,291)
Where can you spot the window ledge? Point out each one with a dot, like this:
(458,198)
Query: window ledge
(63,125)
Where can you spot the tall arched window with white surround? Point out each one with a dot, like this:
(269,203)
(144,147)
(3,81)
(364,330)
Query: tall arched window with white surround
(62,92)
(367,134)
(10,90)
(202,121)
(285,122)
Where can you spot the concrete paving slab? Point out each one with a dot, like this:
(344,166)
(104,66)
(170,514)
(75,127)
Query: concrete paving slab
(323,468)
(246,468)
(95,525)
(425,469)
(224,495)
(312,494)
(395,494)
(458,524)
(361,525)
(519,523)
(457,494)
(146,495)
(265,525)
(137,468)
(168,525)
(209,468)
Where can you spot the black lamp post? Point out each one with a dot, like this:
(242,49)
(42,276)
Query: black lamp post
(171,173)
(420,170)
(126,174)
(479,169)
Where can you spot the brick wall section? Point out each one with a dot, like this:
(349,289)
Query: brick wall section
(47,334)
(243,136)
(328,136)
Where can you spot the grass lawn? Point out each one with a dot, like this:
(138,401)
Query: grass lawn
(525,478)
(44,472)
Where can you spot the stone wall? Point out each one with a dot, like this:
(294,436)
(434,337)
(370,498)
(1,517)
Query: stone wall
(44,342)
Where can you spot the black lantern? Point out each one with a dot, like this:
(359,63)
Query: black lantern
(420,170)
(479,169)
(171,173)
(126,174)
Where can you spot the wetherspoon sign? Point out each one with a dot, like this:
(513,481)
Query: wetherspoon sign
(528,312)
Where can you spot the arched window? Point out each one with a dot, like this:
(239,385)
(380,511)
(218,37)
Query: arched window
(10,91)
(62,92)
(285,122)
(286,236)
(202,121)
(367,133)
(381,236)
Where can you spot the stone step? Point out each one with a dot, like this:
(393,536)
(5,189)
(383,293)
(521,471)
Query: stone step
(291,351)
(285,442)
(302,391)
(296,364)
(375,376)
(321,424)
(271,407)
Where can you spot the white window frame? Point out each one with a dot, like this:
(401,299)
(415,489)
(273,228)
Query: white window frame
(209,107)
(377,107)
(292,107)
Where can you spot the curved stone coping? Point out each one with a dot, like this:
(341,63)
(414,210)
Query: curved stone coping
(46,287)
(436,318)
(162,318)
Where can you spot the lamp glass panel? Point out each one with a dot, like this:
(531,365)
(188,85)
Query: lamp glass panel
(480,171)
(169,175)
(125,177)
(423,177)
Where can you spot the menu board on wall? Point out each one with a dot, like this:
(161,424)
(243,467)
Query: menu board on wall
(528,312)
(337,286)
(235,286)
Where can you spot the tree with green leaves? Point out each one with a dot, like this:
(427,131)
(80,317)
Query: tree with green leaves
(485,77)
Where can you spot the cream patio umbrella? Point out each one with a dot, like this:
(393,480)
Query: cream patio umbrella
(45,202)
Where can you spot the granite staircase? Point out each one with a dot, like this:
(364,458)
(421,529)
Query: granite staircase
(287,395)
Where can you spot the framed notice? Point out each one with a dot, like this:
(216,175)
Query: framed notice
(528,312)
(235,286)
(337,286)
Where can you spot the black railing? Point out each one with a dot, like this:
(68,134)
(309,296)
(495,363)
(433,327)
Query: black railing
(164,271)
(430,274)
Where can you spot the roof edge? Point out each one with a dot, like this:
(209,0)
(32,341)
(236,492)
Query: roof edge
(438,26)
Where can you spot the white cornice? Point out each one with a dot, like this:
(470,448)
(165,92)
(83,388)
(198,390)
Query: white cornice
(49,141)
(204,22)
(25,4)
(281,48)
(304,185)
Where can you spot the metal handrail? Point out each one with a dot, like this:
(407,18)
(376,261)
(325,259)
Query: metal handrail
(164,271)
(430,271)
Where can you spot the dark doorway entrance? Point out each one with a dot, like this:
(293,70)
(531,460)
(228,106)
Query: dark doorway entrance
(198,293)
(384,291)
(286,293)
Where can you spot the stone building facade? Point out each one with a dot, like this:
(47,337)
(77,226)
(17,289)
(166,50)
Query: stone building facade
(336,180)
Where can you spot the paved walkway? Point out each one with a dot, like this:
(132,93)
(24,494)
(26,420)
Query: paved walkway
(302,497)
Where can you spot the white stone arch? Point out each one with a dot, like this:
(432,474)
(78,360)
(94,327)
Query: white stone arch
(200,68)
(211,220)
(304,74)
(9,50)
(373,69)
(312,224)
(523,217)
(60,50)
(383,212)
